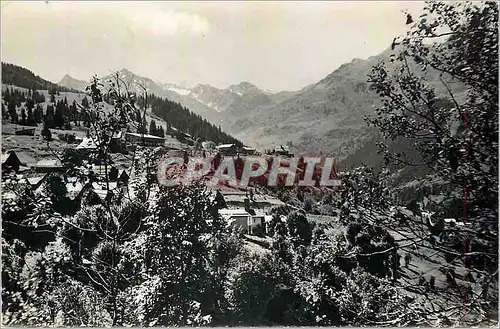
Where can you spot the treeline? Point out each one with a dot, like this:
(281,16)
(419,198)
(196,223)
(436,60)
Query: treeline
(24,78)
(183,119)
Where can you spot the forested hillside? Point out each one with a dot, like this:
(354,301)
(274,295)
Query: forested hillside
(182,118)
(21,77)
(19,107)
(86,245)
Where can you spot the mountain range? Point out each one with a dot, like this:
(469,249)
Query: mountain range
(327,116)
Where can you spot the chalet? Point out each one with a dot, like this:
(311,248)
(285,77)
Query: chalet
(48,165)
(244,219)
(36,181)
(10,162)
(149,140)
(87,144)
(283,150)
(259,201)
(247,151)
(26,131)
(76,189)
(237,218)
(227,149)
(117,143)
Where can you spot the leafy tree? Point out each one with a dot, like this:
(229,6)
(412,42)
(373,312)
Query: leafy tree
(38,114)
(59,115)
(21,77)
(30,118)
(453,125)
(23,117)
(47,135)
(152,128)
(190,282)
(85,102)
(5,113)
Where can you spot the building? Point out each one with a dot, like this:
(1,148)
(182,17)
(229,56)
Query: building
(227,149)
(245,220)
(237,218)
(48,165)
(117,143)
(283,150)
(87,144)
(149,140)
(77,189)
(100,189)
(208,145)
(10,162)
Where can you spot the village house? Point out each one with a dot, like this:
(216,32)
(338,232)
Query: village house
(87,144)
(149,140)
(245,220)
(26,131)
(48,165)
(123,178)
(77,189)
(10,162)
(247,151)
(237,217)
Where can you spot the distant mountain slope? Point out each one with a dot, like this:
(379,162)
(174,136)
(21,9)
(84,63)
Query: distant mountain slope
(24,78)
(72,83)
(327,116)
(237,98)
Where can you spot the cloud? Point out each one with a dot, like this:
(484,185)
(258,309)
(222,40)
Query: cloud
(169,22)
(155,20)
(149,17)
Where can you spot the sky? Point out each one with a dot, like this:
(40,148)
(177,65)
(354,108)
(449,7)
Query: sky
(274,45)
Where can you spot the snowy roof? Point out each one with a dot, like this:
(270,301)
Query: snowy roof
(227,213)
(48,163)
(222,146)
(100,188)
(123,173)
(246,148)
(87,143)
(285,148)
(74,189)
(145,136)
